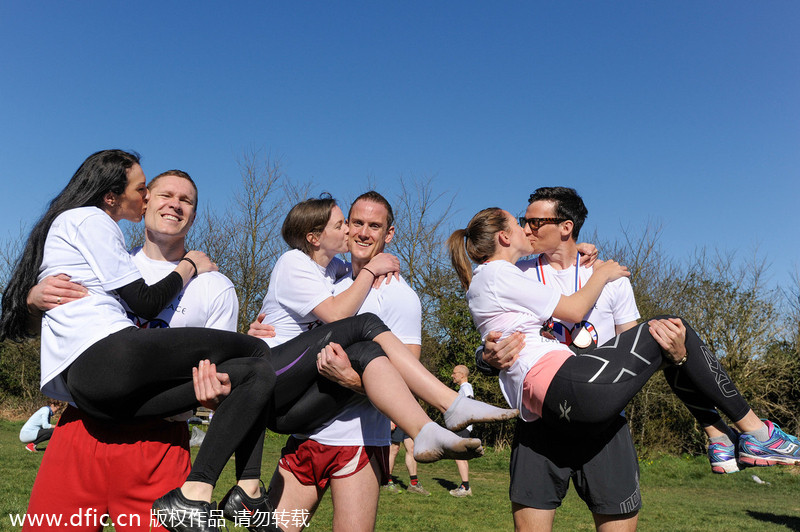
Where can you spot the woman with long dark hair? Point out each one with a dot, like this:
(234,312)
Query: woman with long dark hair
(585,393)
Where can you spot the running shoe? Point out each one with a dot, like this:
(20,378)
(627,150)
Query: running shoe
(780,448)
(391,487)
(723,457)
(31,447)
(176,513)
(255,514)
(418,489)
(461,492)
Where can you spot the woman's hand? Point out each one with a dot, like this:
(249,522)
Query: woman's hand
(384,264)
(201,262)
(611,270)
(588,253)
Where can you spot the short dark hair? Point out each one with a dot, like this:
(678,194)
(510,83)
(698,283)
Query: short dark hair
(568,205)
(309,216)
(177,173)
(374,197)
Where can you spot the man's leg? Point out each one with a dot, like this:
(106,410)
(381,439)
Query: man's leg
(616,523)
(609,483)
(528,519)
(290,497)
(355,499)
(394,449)
(146,460)
(411,464)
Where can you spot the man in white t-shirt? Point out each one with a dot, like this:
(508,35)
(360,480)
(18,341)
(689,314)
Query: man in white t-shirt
(340,453)
(605,472)
(141,460)
(460,376)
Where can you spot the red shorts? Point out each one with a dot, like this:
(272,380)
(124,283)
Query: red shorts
(94,473)
(313,463)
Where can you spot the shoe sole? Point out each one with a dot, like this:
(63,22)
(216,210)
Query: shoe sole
(726,467)
(764,461)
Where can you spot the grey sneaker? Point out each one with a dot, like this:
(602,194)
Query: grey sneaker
(461,492)
(417,488)
(391,487)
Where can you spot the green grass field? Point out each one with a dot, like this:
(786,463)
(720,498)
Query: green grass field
(678,494)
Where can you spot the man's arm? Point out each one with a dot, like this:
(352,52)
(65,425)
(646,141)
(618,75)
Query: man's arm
(259,329)
(622,327)
(52,291)
(334,365)
(495,355)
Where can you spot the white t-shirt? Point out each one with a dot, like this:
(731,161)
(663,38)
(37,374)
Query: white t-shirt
(87,245)
(209,300)
(38,421)
(465,389)
(615,306)
(360,423)
(296,286)
(502,298)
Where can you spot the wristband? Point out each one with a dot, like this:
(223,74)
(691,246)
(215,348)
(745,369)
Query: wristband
(370,271)
(190,261)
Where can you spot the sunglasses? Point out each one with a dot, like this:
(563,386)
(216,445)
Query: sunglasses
(536,223)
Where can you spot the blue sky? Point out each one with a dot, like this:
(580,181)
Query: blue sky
(682,113)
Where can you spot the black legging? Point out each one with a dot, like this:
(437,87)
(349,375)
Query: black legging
(148,372)
(589,390)
(43,435)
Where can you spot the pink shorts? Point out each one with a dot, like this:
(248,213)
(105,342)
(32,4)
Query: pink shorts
(313,463)
(94,472)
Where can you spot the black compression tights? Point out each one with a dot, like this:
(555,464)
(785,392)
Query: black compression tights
(589,390)
(148,372)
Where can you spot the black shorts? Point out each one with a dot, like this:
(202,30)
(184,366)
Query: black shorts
(398,435)
(464,433)
(604,468)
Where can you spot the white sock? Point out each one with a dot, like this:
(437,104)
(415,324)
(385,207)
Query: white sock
(434,443)
(465,411)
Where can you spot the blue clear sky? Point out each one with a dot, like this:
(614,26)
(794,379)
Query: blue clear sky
(682,113)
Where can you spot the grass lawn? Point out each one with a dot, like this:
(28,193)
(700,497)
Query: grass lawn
(678,494)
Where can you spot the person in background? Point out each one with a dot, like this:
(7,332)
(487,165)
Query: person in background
(460,376)
(38,428)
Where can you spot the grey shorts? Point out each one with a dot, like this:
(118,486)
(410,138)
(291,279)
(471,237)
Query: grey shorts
(604,468)
(398,435)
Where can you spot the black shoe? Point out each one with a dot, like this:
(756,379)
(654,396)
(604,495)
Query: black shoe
(178,514)
(256,515)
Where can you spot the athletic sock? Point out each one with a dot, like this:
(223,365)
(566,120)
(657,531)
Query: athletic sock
(724,439)
(465,411)
(434,443)
(761,434)
(414,480)
(466,485)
